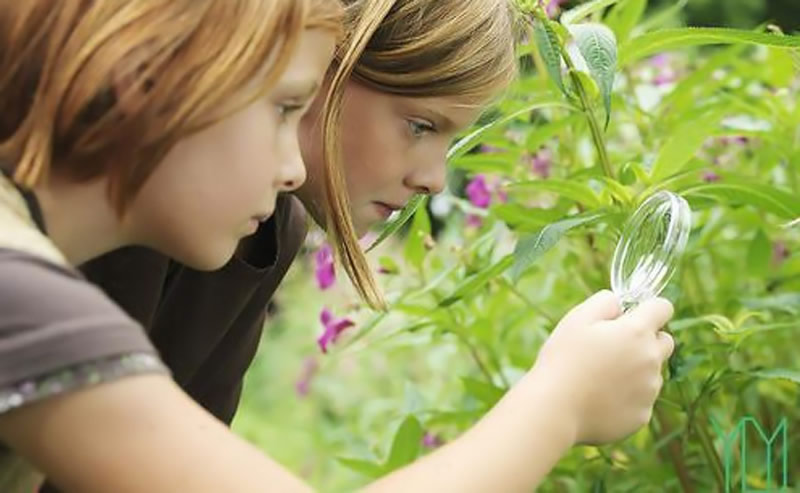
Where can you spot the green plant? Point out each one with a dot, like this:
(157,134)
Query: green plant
(611,107)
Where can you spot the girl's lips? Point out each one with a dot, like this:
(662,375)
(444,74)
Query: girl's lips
(385,210)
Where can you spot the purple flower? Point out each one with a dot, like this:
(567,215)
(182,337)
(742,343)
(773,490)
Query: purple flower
(779,253)
(478,192)
(553,7)
(325,271)
(303,384)
(542,162)
(665,76)
(660,61)
(474,221)
(710,177)
(430,440)
(489,149)
(733,140)
(332,329)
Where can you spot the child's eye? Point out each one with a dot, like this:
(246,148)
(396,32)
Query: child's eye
(419,128)
(285,110)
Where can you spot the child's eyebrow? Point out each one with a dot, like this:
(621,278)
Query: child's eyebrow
(299,90)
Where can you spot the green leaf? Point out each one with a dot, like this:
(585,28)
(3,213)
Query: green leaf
(671,39)
(585,10)
(664,16)
(529,219)
(388,265)
(598,45)
(395,224)
(478,280)
(548,44)
(570,189)
(365,467)
(617,190)
(415,243)
(589,85)
(465,143)
(530,247)
(784,302)
(406,444)
(759,254)
(624,17)
(764,197)
(543,132)
(777,373)
(486,392)
(682,145)
(485,163)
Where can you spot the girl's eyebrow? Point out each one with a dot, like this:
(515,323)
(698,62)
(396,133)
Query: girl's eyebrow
(303,93)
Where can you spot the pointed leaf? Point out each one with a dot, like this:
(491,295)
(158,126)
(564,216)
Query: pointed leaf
(406,444)
(758,254)
(585,10)
(670,39)
(598,45)
(548,44)
(484,391)
(395,224)
(778,373)
(624,17)
(530,247)
(365,467)
(682,145)
(415,243)
(767,198)
(477,281)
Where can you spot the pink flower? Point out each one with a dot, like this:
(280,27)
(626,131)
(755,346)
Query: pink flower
(478,192)
(542,162)
(660,60)
(303,384)
(779,253)
(733,140)
(665,76)
(325,271)
(332,329)
(488,149)
(553,7)
(430,440)
(710,177)
(474,221)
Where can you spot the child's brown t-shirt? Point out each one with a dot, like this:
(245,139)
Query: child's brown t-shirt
(58,333)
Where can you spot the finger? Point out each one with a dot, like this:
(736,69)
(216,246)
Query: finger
(666,344)
(653,314)
(603,305)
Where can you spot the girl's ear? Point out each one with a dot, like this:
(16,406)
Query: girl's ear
(130,80)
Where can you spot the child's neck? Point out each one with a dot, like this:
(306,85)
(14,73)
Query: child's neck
(79,219)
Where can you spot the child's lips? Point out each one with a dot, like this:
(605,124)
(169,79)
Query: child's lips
(385,210)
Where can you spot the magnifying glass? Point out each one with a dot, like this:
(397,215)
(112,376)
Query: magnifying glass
(649,250)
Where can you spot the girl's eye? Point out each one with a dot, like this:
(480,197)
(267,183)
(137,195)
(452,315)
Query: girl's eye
(285,110)
(419,128)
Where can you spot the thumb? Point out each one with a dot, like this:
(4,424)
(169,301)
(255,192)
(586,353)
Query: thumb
(603,305)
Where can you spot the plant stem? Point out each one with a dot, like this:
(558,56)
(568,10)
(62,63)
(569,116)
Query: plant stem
(513,289)
(675,451)
(706,444)
(586,107)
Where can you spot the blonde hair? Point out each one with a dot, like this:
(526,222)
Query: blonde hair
(185,63)
(414,48)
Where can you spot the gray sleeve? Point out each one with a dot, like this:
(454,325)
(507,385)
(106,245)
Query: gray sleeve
(58,332)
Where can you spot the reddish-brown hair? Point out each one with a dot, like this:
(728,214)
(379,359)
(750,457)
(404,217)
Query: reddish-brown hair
(184,65)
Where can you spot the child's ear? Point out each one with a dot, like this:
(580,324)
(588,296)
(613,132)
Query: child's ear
(131,81)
